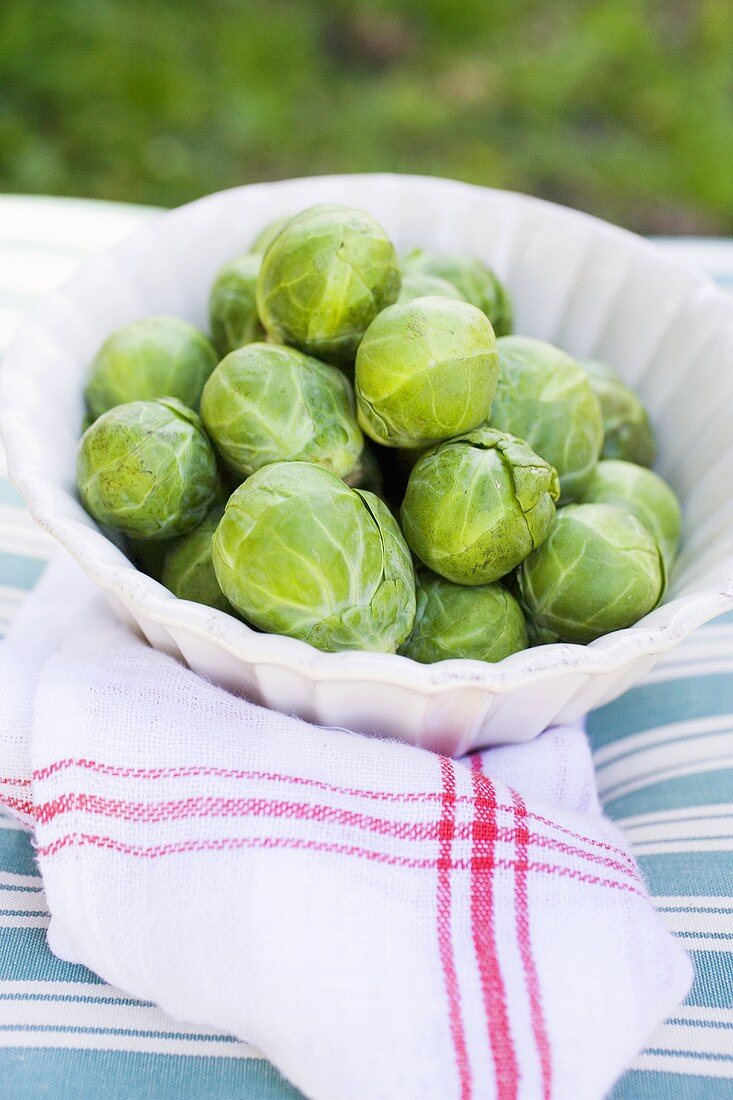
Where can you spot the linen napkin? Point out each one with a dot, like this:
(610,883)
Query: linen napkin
(380,921)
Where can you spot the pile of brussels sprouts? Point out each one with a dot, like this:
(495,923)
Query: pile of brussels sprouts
(501,497)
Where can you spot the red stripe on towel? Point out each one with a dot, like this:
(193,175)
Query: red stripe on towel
(445,922)
(483,865)
(236,843)
(218,807)
(194,770)
(524,935)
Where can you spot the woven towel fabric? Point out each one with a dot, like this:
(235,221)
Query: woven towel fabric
(65,1034)
(389,922)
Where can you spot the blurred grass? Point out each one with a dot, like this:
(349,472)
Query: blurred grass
(620,107)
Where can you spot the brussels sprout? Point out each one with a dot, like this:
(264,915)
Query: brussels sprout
(627,429)
(483,622)
(477,505)
(324,278)
(416,285)
(544,397)
(155,357)
(188,570)
(599,570)
(643,493)
(298,552)
(266,403)
(233,316)
(476,281)
(147,469)
(425,370)
(266,236)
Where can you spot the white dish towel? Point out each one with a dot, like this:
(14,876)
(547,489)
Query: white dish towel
(383,923)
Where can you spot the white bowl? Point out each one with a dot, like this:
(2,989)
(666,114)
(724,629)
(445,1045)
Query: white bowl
(591,288)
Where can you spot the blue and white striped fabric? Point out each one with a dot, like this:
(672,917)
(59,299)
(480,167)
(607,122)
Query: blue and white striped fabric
(664,755)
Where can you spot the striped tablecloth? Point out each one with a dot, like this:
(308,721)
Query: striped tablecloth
(664,755)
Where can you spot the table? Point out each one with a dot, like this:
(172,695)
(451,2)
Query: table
(65,1034)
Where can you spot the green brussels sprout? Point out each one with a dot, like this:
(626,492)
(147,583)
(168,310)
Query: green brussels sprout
(425,370)
(266,403)
(155,357)
(599,570)
(324,277)
(416,285)
(481,622)
(147,469)
(266,236)
(643,493)
(233,316)
(627,429)
(476,506)
(476,281)
(188,569)
(300,553)
(543,396)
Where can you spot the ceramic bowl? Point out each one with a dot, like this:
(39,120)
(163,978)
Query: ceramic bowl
(591,288)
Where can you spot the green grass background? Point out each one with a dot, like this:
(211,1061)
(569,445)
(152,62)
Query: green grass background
(620,107)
